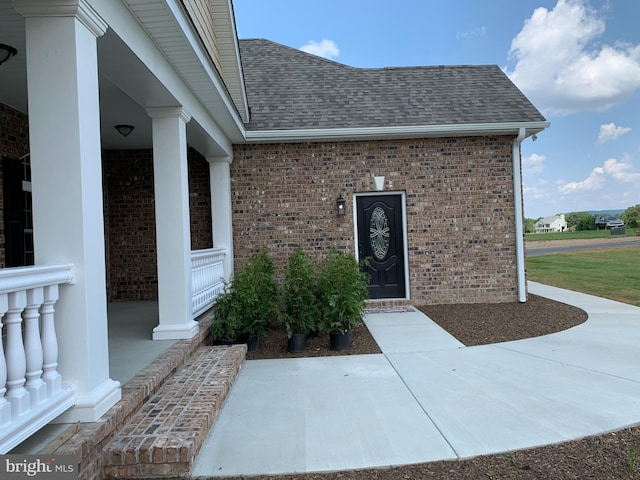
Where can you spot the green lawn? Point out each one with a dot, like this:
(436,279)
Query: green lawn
(612,273)
(585,234)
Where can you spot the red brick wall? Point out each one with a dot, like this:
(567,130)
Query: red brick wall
(130,220)
(459,200)
(14,143)
(129,209)
(199,201)
(459,195)
(129,225)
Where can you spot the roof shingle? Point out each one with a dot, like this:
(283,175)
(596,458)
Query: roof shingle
(288,89)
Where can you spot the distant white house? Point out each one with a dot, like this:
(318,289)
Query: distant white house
(554,223)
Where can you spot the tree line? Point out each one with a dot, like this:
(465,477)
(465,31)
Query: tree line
(587,221)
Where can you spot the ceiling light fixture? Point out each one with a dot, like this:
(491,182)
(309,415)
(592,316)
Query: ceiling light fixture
(6,52)
(124,130)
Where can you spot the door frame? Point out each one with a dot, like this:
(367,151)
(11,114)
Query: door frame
(405,246)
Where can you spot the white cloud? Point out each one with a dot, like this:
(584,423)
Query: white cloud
(610,132)
(324,48)
(611,172)
(479,32)
(593,182)
(533,164)
(562,68)
(535,192)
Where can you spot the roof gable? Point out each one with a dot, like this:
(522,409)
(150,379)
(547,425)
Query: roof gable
(549,220)
(288,89)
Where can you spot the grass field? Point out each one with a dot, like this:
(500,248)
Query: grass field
(612,273)
(583,234)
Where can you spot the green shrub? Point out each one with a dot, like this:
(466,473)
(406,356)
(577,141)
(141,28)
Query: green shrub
(342,292)
(225,321)
(249,302)
(301,312)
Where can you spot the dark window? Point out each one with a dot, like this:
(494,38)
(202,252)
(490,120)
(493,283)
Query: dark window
(18,218)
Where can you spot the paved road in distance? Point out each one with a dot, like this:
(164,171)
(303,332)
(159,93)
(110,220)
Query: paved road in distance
(534,251)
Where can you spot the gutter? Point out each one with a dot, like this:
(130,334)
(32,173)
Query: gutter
(517,200)
(402,131)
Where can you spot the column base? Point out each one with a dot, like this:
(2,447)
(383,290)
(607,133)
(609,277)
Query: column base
(89,408)
(176,332)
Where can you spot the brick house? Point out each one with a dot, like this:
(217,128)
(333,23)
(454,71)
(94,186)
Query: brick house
(431,152)
(145,151)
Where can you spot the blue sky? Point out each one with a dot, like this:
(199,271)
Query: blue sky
(578,61)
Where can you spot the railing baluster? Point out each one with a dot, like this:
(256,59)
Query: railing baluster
(33,346)
(207,274)
(16,394)
(5,407)
(50,341)
(32,392)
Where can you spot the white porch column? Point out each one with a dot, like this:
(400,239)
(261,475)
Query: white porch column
(221,210)
(173,229)
(64,131)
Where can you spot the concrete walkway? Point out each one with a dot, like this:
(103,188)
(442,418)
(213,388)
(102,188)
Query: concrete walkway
(427,397)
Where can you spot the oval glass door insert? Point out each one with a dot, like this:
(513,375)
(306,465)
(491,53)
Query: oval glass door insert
(379,233)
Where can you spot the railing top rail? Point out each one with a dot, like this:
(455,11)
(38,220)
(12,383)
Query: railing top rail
(20,278)
(208,252)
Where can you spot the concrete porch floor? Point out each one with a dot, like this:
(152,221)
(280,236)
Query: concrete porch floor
(131,348)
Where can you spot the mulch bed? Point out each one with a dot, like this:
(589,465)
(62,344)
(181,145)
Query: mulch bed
(485,323)
(274,345)
(608,456)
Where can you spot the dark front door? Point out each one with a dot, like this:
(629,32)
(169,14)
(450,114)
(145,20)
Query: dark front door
(381,240)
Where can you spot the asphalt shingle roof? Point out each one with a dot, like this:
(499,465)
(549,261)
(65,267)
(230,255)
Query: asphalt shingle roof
(288,89)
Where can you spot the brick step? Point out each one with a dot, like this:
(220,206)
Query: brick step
(88,440)
(164,436)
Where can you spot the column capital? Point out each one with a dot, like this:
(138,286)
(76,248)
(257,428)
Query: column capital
(220,159)
(79,9)
(169,112)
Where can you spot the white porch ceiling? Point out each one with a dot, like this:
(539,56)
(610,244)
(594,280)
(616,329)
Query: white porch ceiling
(127,87)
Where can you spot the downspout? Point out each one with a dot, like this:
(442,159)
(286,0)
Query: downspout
(517,199)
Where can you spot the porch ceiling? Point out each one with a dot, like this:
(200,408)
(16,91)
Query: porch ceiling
(127,87)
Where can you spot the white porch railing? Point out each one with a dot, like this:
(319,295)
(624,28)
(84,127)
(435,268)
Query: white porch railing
(207,278)
(31,390)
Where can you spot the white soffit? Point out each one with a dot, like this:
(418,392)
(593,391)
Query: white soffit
(168,25)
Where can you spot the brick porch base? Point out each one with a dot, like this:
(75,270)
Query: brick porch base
(165,435)
(190,380)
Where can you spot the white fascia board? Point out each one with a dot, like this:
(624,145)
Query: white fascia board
(413,131)
(187,29)
(231,62)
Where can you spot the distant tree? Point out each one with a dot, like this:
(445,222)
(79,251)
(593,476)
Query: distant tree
(530,224)
(631,216)
(581,220)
